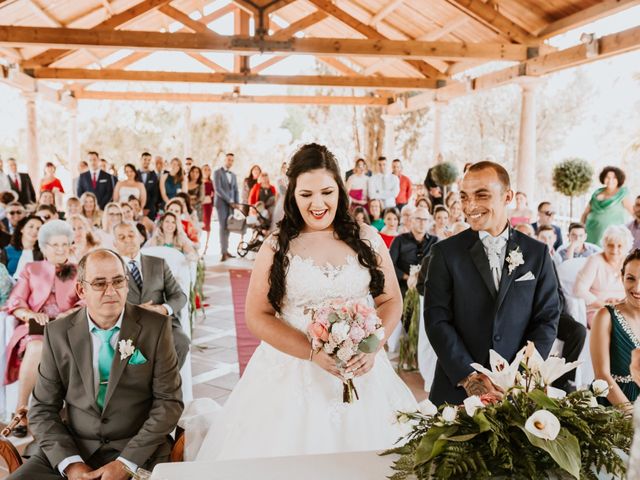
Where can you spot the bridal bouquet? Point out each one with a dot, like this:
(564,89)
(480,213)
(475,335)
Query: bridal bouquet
(343,328)
(534,431)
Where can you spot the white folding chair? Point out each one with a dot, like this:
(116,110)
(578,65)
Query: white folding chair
(182,269)
(8,393)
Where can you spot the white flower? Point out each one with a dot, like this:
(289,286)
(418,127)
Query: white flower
(449,414)
(515,259)
(340,331)
(501,374)
(344,354)
(471,404)
(593,403)
(543,424)
(554,367)
(427,408)
(556,393)
(126,348)
(402,417)
(412,281)
(600,388)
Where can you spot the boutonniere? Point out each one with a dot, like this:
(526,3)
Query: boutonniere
(126,348)
(515,259)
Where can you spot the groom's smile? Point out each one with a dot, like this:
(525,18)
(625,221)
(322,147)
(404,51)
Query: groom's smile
(484,201)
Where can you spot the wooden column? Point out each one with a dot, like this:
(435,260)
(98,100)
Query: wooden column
(73,146)
(437,130)
(389,149)
(187,132)
(33,165)
(241,27)
(526,162)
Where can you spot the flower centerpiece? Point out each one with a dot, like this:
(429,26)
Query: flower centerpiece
(533,431)
(344,328)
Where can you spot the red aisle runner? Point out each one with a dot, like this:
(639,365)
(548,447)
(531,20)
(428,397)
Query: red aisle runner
(246,342)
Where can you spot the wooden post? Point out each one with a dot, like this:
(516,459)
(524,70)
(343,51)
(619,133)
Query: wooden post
(526,162)
(73,147)
(437,130)
(187,132)
(33,166)
(389,148)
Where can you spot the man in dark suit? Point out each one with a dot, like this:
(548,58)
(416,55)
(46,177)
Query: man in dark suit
(112,366)
(151,185)
(226,199)
(151,284)
(21,184)
(97,181)
(489,287)
(14,213)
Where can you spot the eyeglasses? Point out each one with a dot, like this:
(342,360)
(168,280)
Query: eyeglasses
(58,246)
(113,214)
(421,219)
(45,217)
(102,285)
(548,213)
(15,212)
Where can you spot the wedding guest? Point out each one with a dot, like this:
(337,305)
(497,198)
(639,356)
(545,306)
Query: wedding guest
(83,238)
(375,214)
(5,184)
(405,184)
(614,336)
(6,285)
(46,198)
(110,218)
(434,191)
(23,247)
(128,217)
(188,163)
(424,202)
(207,202)
(358,185)
(348,173)
(180,209)
(90,209)
(45,290)
(138,215)
(384,185)
(21,183)
(546,215)
(131,186)
(456,214)
(405,218)
(169,233)
(15,212)
(391,222)
(226,199)
(547,235)
(451,198)
(173,181)
(361,216)
(73,207)
(196,189)
(159,166)
(263,192)
(525,228)
(47,213)
(249,181)
(634,225)
(521,213)
(51,183)
(577,247)
(599,282)
(151,183)
(440,228)
(607,205)
(96,181)
(83,166)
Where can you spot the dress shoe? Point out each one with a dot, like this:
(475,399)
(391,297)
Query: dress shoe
(224,257)
(230,255)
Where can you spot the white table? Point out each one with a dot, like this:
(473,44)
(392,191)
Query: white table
(347,466)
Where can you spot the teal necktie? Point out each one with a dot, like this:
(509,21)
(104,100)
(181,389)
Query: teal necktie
(105,359)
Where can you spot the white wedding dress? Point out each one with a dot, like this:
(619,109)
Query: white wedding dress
(285,406)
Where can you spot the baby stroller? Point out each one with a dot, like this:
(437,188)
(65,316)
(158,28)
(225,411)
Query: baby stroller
(259,221)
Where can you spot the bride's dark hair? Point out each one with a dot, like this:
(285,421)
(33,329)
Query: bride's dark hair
(307,158)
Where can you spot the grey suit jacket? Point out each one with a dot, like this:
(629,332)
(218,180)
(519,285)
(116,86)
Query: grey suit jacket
(226,192)
(143,402)
(158,285)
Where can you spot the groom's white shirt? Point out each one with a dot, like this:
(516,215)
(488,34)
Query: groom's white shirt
(503,252)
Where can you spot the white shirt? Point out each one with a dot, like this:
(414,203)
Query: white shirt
(138,261)
(96,343)
(502,254)
(5,186)
(385,187)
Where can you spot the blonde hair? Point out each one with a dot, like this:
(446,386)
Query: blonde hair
(96,218)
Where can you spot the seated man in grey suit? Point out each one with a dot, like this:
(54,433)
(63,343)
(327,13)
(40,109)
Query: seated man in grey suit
(113,365)
(151,284)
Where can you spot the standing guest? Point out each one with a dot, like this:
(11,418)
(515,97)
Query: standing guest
(546,215)
(384,185)
(159,166)
(434,191)
(131,186)
(83,239)
(607,205)
(104,165)
(15,212)
(440,228)
(96,181)
(169,233)
(73,207)
(90,209)
(179,209)
(391,222)
(263,191)
(375,214)
(207,202)
(634,225)
(614,335)
(23,247)
(522,213)
(358,185)
(367,172)
(83,166)
(151,183)
(5,184)
(173,181)
(249,182)
(138,216)
(405,184)
(51,183)
(46,198)
(127,217)
(196,189)
(599,282)
(405,218)
(21,184)
(476,293)
(119,411)
(547,235)
(226,191)
(578,247)
(188,163)
(361,216)
(525,228)
(45,290)
(410,248)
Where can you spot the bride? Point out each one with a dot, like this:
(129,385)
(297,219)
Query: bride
(289,400)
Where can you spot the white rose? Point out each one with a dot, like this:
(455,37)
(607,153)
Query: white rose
(426,407)
(600,388)
(543,424)
(449,414)
(471,404)
(593,403)
(345,354)
(340,331)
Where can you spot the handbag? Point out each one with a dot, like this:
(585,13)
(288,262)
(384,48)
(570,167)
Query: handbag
(236,222)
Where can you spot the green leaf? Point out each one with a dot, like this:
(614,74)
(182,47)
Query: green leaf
(463,438)
(543,400)
(482,422)
(369,344)
(427,448)
(333,317)
(565,450)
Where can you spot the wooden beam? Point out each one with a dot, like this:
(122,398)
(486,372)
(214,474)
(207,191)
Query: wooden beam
(107,6)
(338,65)
(490,17)
(50,56)
(227,98)
(241,28)
(409,49)
(398,83)
(299,25)
(276,5)
(267,63)
(586,15)
(385,11)
(185,20)
(207,62)
(46,16)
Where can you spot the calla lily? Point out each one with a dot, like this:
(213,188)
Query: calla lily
(471,404)
(600,388)
(502,374)
(543,424)
(449,414)
(555,393)
(426,407)
(553,368)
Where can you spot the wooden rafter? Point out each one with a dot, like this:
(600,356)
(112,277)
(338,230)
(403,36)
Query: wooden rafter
(299,25)
(207,62)
(338,65)
(185,20)
(385,11)
(268,63)
(398,83)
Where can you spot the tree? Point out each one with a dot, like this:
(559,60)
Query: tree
(572,177)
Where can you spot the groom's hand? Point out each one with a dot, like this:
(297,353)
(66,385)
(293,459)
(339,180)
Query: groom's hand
(479,384)
(76,471)
(111,471)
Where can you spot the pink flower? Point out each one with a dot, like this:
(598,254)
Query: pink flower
(322,317)
(356,334)
(319,331)
(370,324)
(362,309)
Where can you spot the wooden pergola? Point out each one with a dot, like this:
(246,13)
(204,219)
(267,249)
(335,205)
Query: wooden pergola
(400,55)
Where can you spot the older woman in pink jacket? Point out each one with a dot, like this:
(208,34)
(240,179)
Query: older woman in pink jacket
(45,290)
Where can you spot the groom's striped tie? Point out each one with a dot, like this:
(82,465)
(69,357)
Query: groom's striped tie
(135,273)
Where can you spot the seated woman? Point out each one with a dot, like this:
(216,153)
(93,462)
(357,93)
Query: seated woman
(405,218)
(391,222)
(178,207)
(110,218)
(73,207)
(127,216)
(599,282)
(23,247)
(139,216)
(169,233)
(361,216)
(45,290)
(262,191)
(375,214)
(90,209)
(440,228)
(615,333)
(83,238)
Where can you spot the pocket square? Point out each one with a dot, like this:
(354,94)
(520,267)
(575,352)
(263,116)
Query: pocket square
(525,277)
(137,358)
(104,180)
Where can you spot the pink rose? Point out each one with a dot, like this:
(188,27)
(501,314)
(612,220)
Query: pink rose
(370,324)
(362,309)
(319,331)
(322,317)
(356,334)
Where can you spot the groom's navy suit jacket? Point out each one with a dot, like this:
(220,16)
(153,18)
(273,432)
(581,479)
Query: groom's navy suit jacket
(465,316)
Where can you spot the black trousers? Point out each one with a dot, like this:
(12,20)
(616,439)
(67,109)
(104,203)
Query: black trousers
(573,334)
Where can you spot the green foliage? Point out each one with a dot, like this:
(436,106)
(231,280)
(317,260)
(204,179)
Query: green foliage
(408,355)
(445,173)
(572,177)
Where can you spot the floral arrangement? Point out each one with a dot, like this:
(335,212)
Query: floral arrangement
(343,328)
(408,352)
(533,431)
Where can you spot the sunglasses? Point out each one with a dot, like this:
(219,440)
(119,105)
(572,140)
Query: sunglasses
(15,212)
(45,217)
(549,213)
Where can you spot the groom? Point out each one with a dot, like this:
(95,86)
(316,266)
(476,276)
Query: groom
(119,411)
(489,287)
